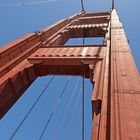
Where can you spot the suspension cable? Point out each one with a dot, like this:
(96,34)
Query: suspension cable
(113,4)
(74,111)
(68,104)
(83,108)
(55,108)
(83,41)
(82,6)
(32,107)
(83,103)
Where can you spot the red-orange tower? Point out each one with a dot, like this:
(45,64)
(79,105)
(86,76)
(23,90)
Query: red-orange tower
(110,67)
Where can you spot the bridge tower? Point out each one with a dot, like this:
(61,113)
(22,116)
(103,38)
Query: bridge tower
(109,66)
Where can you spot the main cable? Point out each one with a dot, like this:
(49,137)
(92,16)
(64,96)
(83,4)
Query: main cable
(32,107)
(58,101)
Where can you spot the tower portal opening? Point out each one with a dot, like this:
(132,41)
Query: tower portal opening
(51,108)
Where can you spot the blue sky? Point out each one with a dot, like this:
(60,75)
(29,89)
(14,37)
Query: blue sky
(18,21)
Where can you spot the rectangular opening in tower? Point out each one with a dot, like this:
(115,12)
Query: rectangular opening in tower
(56,96)
(85,41)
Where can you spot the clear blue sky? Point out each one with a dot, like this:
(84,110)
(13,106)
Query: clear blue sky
(17,21)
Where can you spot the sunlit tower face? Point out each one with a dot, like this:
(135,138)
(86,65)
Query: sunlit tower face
(108,65)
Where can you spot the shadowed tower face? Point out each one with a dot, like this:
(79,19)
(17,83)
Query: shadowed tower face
(109,66)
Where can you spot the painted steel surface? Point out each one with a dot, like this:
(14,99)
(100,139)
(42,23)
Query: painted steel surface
(110,67)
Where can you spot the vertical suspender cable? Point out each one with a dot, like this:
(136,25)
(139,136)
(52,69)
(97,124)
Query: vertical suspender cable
(55,108)
(32,107)
(82,6)
(66,109)
(74,113)
(113,4)
(83,109)
(83,40)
